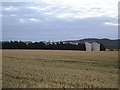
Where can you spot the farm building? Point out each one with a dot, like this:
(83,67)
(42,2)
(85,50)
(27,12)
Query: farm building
(92,46)
(88,46)
(95,46)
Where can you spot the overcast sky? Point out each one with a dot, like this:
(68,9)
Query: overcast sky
(60,20)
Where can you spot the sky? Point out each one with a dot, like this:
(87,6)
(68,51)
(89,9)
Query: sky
(54,20)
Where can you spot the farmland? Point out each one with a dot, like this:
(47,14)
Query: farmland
(58,69)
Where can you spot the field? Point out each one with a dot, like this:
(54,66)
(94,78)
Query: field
(58,69)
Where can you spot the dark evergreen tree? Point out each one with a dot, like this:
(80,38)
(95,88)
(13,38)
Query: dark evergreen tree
(102,47)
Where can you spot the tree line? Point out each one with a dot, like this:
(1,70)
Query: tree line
(47,46)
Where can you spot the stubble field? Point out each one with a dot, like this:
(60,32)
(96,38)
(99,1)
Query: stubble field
(58,69)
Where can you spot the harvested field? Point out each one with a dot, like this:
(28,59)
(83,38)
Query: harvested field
(58,69)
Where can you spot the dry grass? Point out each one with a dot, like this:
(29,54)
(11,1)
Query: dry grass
(57,69)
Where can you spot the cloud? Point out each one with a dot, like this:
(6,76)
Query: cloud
(75,9)
(76,18)
(28,20)
(13,15)
(34,20)
(33,7)
(22,20)
(111,24)
(62,15)
(11,8)
(81,9)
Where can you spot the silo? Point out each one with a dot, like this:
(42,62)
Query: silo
(88,46)
(95,46)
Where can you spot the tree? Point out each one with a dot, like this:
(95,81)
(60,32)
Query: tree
(102,47)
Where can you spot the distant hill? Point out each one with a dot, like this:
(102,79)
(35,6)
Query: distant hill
(109,44)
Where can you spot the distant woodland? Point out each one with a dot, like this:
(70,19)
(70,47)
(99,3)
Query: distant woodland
(46,45)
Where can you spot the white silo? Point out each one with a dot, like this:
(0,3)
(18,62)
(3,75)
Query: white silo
(88,46)
(95,46)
